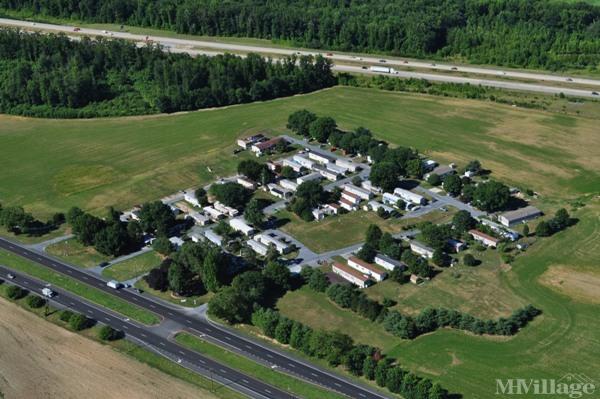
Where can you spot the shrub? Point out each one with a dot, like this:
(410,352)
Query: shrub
(107,333)
(78,322)
(66,315)
(14,292)
(469,260)
(35,302)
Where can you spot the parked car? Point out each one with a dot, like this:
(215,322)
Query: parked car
(103,264)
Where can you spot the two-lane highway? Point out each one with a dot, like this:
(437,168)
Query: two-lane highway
(185,357)
(226,338)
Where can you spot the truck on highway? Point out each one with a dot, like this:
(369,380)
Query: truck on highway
(114,284)
(47,292)
(382,69)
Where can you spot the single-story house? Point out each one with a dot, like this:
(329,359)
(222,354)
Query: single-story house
(226,209)
(274,166)
(190,197)
(501,230)
(239,224)
(258,247)
(296,167)
(368,185)
(176,241)
(213,237)
(415,279)
(271,239)
(278,191)
(350,274)
(442,171)
(429,164)
(248,141)
(520,215)
(246,183)
(309,177)
(326,173)
(340,170)
(321,157)
(305,162)
(266,146)
(456,245)
(349,165)
(332,208)
(378,273)
(375,205)
(483,238)
(288,184)
(389,263)
(199,218)
(421,249)
(409,196)
(348,205)
(360,192)
(213,213)
(318,214)
(353,198)
(391,199)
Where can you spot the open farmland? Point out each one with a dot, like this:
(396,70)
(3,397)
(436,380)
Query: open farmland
(51,165)
(60,364)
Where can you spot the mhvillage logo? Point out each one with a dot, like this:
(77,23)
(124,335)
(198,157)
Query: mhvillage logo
(570,385)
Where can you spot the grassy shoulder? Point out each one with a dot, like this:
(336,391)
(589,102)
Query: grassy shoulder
(83,290)
(206,388)
(77,254)
(265,374)
(132,267)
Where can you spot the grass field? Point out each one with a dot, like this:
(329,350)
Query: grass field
(52,165)
(191,301)
(30,239)
(344,230)
(132,267)
(249,367)
(76,254)
(85,291)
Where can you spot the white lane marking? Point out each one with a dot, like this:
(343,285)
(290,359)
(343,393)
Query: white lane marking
(125,327)
(182,352)
(143,335)
(227,338)
(107,319)
(84,277)
(189,321)
(245,381)
(89,311)
(269,356)
(337,385)
(313,374)
(223,371)
(201,361)
(152,306)
(170,314)
(161,343)
(361,394)
(291,365)
(69,271)
(135,299)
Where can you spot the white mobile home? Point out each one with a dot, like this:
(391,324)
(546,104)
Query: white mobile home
(239,224)
(257,247)
(367,268)
(360,192)
(409,196)
(421,249)
(213,237)
(350,274)
(389,263)
(309,177)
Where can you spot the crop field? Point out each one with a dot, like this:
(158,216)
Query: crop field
(51,165)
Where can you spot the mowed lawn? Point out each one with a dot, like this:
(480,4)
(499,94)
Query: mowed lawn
(51,165)
(77,254)
(133,267)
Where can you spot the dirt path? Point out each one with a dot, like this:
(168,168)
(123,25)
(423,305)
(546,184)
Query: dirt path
(41,360)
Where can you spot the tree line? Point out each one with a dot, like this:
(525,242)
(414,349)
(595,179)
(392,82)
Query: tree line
(17,221)
(534,34)
(54,76)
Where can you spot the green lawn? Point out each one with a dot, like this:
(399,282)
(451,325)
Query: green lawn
(76,254)
(191,301)
(132,267)
(346,229)
(56,164)
(279,380)
(83,290)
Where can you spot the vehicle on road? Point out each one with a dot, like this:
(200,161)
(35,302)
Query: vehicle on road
(10,276)
(114,284)
(105,32)
(364,67)
(569,80)
(47,292)
(76,29)
(103,264)
(329,54)
(595,93)
(381,69)
(382,61)
(454,68)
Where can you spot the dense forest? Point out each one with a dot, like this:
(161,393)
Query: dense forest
(532,33)
(54,76)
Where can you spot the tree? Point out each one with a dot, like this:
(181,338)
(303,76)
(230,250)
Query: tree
(393,379)
(561,219)
(200,194)
(283,331)
(267,320)
(253,170)
(452,184)
(156,217)
(491,196)
(367,252)
(299,122)
(35,302)
(178,278)
(158,278)
(229,305)
(318,281)
(288,173)
(381,371)
(373,235)
(112,240)
(369,366)
(278,275)
(474,166)
(469,260)
(321,128)
(251,285)
(231,194)
(14,292)
(434,179)
(107,333)
(254,213)
(463,222)
(525,231)
(162,245)
(414,168)
(211,269)
(311,192)
(440,258)
(543,229)
(385,175)
(15,219)
(78,322)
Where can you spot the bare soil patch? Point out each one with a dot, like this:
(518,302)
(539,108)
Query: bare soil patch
(582,286)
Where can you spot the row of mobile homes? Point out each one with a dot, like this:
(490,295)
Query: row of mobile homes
(226,209)
(280,244)
(305,162)
(350,274)
(347,164)
(309,177)
(296,167)
(321,157)
(360,192)
(288,184)
(374,271)
(375,206)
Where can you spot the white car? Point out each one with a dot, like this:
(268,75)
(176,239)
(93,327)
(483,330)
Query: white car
(10,276)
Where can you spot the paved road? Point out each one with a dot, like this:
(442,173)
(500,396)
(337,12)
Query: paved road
(199,326)
(195,47)
(185,357)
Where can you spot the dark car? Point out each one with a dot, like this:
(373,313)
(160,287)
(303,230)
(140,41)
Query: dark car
(103,264)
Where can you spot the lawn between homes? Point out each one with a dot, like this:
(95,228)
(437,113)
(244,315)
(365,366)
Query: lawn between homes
(125,161)
(83,290)
(132,267)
